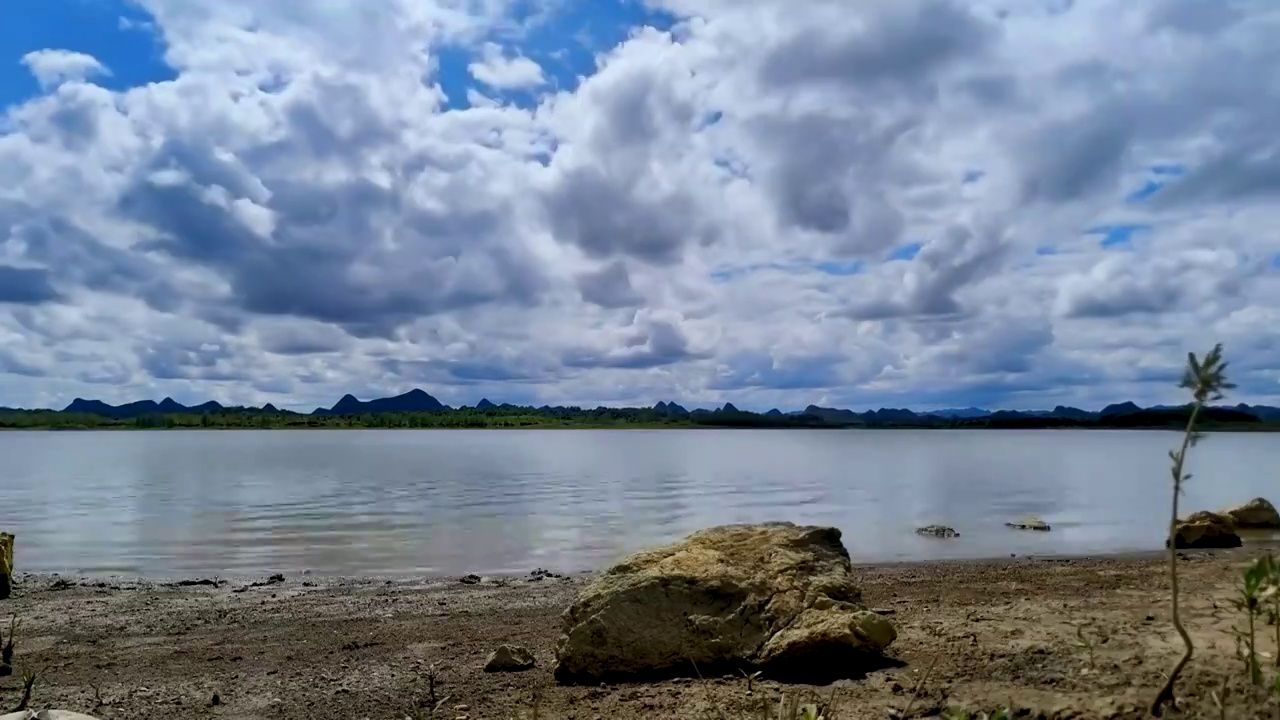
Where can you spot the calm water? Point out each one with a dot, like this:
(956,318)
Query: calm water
(409,502)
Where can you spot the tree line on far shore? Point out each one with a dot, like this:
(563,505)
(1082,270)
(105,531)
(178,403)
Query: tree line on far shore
(508,416)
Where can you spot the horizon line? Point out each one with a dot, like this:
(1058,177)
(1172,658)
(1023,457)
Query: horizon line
(691,408)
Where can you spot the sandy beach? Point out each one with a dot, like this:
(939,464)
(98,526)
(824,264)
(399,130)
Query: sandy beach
(988,634)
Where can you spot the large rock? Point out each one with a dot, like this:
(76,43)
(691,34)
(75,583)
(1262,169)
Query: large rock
(1206,529)
(6,565)
(774,596)
(1257,513)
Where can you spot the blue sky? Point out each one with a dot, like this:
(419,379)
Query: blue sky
(565,45)
(108,30)
(121,36)
(761,207)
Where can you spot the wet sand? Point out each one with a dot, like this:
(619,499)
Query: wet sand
(986,634)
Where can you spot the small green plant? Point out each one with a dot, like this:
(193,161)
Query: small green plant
(1271,594)
(1254,590)
(6,647)
(1088,638)
(425,710)
(1207,381)
(28,684)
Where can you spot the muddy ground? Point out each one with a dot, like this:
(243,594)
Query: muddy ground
(993,633)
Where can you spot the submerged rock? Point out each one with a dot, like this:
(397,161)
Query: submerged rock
(1206,529)
(1257,513)
(509,658)
(938,531)
(776,596)
(1029,524)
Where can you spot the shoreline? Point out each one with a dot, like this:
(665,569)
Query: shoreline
(1259,541)
(989,631)
(401,578)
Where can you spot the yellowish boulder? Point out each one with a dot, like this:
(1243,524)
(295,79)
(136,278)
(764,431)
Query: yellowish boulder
(776,596)
(1257,513)
(1206,529)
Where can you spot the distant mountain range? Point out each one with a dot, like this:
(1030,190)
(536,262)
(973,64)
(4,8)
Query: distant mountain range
(419,401)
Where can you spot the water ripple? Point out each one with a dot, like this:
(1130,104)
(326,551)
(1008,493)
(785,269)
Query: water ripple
(412,502)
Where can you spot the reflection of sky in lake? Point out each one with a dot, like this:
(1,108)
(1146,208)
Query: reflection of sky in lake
(394,502)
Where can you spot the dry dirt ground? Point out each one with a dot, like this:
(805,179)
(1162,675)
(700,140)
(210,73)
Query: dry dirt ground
(986,634)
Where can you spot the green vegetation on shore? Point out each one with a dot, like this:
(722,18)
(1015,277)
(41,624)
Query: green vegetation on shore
(508,416)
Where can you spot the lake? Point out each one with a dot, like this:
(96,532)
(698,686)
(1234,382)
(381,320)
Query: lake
(389,502)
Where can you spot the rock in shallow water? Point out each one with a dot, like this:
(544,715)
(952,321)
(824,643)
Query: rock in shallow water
(939,531)
(1206,529)
(1029,524)
(1257,513)
(776,596)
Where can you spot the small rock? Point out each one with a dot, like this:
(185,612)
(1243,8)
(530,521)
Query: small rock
(470,579)
(462,708)
(215,700)
(509,658)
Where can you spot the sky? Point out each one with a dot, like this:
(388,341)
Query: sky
(924,203)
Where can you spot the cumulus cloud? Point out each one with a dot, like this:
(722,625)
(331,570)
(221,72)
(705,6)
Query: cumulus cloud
(54,67)
(766,203)
(505,73)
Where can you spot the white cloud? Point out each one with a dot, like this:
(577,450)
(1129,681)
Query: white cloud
(54,67)
(506,73)
(297,214)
